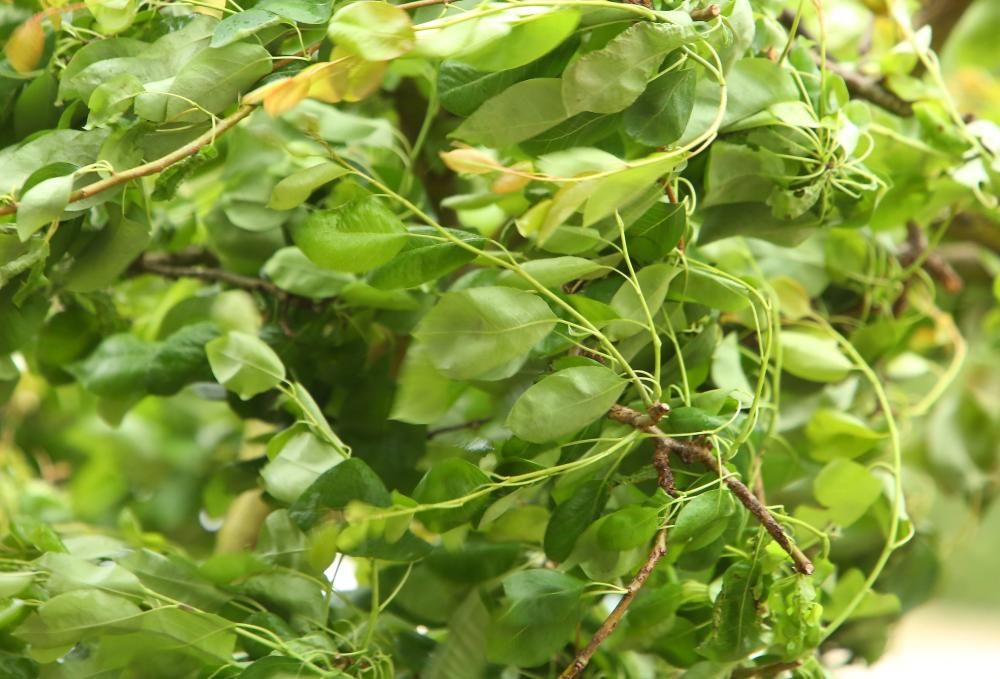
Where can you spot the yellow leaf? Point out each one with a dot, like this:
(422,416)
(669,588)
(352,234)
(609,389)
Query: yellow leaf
(25,47)
(514,180)
(214,8)
(284,96)
(470,161)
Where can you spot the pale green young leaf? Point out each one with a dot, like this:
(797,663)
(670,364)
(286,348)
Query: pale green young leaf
(374,31)
(244,364)
(354,237)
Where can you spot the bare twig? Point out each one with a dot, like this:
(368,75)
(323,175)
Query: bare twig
(192,264)
(611,622)
(695,452)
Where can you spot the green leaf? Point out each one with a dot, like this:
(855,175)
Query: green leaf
(300,11)
(736,626)
(699,512)
(424,258)
(374,31)
(654,282)
(74,616)
(847,489)
(424,395)
(448,480)
(564,402)
(551,272)
(117,368)
(357,236)
(463,651)
(351,480)
(42,204)
(540,613)
(295,189)
(661,113)
(69,573)
(710,289)
(106,256)
(571,518)
(484,333)
(655,234)
(835,434)
(628,528)
(534,36)
(814,358)
(213,79)
(519,112)
(244,364)
(609,79)
(180,359)
(242,25)
(298,458)
(291,270)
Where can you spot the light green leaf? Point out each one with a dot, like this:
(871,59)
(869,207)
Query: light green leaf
(529,39)
(519,112)
(291,270)
(374,31)
(654,282)
(295,189)
(609,79)
(484,333)
(551,272)
(241,25)
(42,204)
(541,610)
(564,403)
(835,434)
(424,395)
(299,11)
(298,458)
(814,358)
(244,364)
(424,258)
(847,489)
(357,236)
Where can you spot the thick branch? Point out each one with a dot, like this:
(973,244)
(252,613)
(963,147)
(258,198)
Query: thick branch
(615,617)
(693,452)
(942,16)
(859,86)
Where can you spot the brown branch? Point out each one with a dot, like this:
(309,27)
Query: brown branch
(615,617)
(153,167)
(190,264)
(942,16)
(694,452)
(859,86)
(706,13)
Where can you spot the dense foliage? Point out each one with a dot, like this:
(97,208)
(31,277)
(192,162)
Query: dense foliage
(524,311)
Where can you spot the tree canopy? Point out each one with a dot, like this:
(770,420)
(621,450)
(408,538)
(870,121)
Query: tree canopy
(598,338)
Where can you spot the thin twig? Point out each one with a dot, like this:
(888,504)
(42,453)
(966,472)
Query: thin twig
(421,3)
(694,452)
(152,167)
(192,267)
(611,622)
